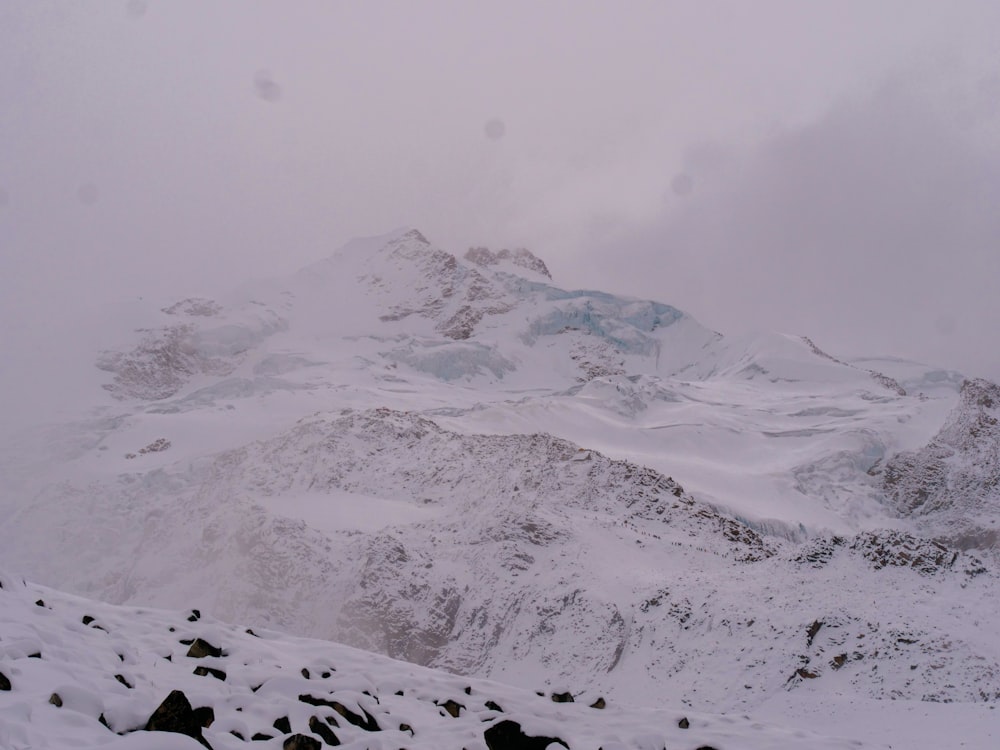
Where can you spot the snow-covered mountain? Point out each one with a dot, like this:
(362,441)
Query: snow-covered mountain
(451,461)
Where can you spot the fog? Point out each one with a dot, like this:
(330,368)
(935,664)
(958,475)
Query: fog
(830,169)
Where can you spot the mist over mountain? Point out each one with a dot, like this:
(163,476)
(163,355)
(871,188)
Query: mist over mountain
(448,459)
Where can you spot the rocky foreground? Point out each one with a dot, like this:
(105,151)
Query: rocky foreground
(78,673)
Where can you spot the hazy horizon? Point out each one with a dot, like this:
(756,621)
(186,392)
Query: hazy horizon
(830,170)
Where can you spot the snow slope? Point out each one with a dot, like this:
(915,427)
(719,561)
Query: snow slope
(78,673)
(451,461)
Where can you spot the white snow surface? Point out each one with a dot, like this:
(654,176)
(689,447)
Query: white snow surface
(452,461)
(109,667)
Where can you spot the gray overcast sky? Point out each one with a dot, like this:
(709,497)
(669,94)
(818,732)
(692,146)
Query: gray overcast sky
(824,168)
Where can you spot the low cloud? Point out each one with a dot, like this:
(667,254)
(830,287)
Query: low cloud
(874,229)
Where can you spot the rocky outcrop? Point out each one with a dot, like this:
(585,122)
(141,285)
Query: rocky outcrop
(483,256)
(951,486)
(454,295)
(883,380)
(889,548)
(165,359)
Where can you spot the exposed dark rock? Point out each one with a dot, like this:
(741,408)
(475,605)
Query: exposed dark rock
(35,655)
(483,256)
(55,700)
(261,737)
(367,723)
(282,725)
(566,697)
(205,716)
(4,682)
(209,672)
(87,619)
(452,707)
(176,715)
(301,742)
(406,728)
(812,630)
(40,603)
(123,681)
(305,673)
(103,720)
(161,363)
(160,444)
(953,483)
(194,616)
(493,706)
(599,703)
(237,735)
(806,674)
(684,723)
(899,549)
(818,552)
(200,649)
(838,661)
(468,690)
(507,735)
(323,730)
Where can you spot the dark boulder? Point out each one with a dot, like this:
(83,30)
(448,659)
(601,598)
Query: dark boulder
(283,725)
(200,649)
(323,730)
(302,742)
(367,722)
(507,735)
(205,716)
(209,672)
(176,715)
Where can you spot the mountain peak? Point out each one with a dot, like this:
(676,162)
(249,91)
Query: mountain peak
(413,235)
(483,256)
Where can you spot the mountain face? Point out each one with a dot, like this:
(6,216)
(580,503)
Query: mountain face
(485,317)
(452,461)
(952,485)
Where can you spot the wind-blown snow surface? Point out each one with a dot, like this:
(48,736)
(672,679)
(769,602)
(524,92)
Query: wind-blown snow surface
(454,462)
